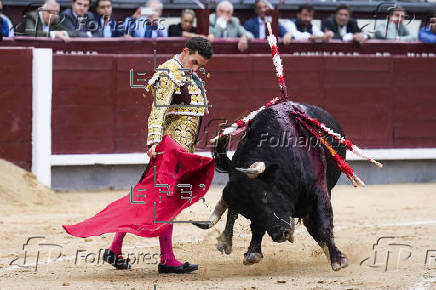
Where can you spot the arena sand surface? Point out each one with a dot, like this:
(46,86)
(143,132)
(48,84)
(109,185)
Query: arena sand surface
(362,215)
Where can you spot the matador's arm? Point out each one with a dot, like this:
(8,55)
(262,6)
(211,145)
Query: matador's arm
(164,90)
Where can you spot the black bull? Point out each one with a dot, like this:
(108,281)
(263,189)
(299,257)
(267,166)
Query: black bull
(279,172)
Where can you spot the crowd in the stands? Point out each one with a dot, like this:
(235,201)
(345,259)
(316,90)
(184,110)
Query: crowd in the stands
(86,19)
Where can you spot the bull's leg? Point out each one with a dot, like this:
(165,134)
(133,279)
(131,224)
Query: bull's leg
(220,208)
(224,243)
(254,254)
(319,224)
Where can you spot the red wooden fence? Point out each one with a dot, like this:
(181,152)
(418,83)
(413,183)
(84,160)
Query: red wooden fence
(383,102)
(16,106)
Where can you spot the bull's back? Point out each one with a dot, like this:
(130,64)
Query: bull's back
(276,122)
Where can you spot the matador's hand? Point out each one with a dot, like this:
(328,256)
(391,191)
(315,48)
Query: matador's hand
(152,151)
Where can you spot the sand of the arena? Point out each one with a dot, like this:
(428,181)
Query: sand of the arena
(406,211)
(20,188)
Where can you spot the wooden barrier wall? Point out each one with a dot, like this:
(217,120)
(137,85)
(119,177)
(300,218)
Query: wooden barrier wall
(381,102)
(16,106)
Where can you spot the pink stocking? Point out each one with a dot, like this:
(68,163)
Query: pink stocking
(166,248)
(117,243)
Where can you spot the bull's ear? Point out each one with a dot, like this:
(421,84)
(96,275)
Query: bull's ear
(270,173)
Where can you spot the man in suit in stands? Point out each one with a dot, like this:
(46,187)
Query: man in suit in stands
(79,19)
(45,21)
(222,24)
(6,26)
(302,28)
(107,27)
(257,25)
(186,26)
(394,28)
(343,26)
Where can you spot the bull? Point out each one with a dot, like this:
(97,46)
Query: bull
(274,178)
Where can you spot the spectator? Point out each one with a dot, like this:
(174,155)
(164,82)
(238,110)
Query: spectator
(186,26)
(145,22)
(343,26)
(79,19)
(302,28)
(6,26)
(394,28)
(107,27)
(257,25)
(427,34)
(45,21)
(222,24)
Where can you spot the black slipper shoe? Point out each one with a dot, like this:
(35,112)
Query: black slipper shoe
(182,269)
(111,258)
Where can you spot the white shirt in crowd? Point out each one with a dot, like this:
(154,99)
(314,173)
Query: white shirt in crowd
(345,36)
(107,30)
(262,32)
(298,35)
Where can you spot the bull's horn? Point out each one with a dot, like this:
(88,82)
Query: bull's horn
(254,170)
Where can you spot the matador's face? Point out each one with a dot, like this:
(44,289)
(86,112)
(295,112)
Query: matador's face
(193,61)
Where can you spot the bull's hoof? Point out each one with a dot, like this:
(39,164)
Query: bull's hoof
(203,225)
(223,246)
(340,263)
(252,258)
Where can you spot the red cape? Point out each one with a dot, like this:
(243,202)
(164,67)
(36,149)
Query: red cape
(176,168)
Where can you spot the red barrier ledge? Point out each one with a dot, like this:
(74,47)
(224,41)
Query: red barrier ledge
(220,46)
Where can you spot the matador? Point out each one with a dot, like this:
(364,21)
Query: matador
(178,107)
(175,83)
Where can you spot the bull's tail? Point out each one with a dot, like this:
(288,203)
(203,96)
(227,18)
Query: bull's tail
(222,164)
(220,208)
(219,153)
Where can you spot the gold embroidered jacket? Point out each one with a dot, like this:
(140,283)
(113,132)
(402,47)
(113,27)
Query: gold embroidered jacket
(172,89)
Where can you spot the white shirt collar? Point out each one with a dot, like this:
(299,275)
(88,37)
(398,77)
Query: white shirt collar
(343,30)
(42,18)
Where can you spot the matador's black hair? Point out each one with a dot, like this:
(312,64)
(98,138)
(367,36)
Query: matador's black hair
(201,45)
